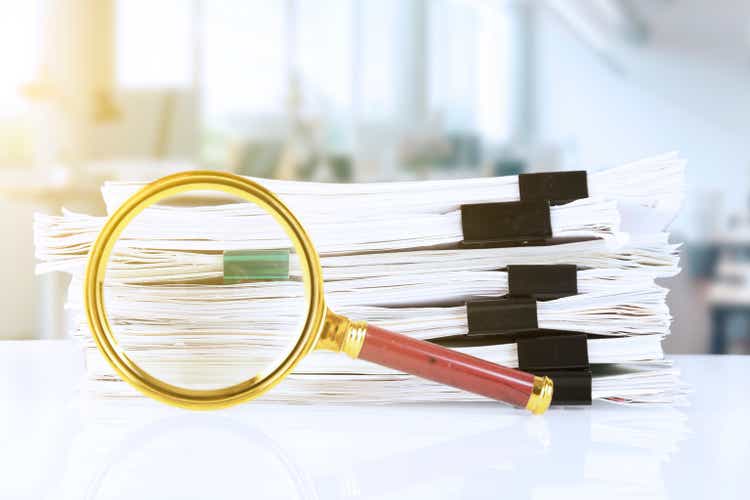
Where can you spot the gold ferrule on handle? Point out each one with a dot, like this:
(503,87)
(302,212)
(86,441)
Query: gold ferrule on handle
(541,395)
(340,334)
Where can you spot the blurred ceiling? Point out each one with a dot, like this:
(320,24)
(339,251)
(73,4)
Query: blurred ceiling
(716,26)
(717,31)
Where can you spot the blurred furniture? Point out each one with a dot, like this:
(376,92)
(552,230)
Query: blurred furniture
(729,298)
(701,260)
(724,260)
(734,244)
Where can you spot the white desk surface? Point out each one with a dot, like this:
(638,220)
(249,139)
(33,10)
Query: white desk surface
(55,443)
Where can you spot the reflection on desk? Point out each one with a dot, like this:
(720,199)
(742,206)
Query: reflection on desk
(127,449)
(314,453)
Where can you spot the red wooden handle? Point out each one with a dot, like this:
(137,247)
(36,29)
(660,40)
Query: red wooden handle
(446,366)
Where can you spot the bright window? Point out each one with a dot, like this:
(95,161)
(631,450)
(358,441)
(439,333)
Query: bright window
(324,53)
(154,43)
(19,60)
(469,67)
(244,61)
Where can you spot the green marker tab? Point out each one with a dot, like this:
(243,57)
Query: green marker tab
(252,265)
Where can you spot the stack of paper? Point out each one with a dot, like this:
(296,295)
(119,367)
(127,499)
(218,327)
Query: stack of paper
(390,255)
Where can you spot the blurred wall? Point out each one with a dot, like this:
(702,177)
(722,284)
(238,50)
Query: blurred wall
(674,92)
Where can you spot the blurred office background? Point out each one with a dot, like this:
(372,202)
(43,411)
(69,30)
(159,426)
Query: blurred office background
(379,90)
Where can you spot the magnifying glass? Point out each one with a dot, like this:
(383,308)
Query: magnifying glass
(206,345)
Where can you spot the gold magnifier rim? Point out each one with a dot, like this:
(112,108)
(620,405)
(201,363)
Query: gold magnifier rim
(203,399)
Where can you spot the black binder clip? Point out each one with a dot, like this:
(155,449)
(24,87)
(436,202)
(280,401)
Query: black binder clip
(571,387)
(543,282)
(556,187)
(563,358)
(558,352)
(519,222)
(506,316)
(522,222)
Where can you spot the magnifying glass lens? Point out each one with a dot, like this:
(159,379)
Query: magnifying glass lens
(203,291)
